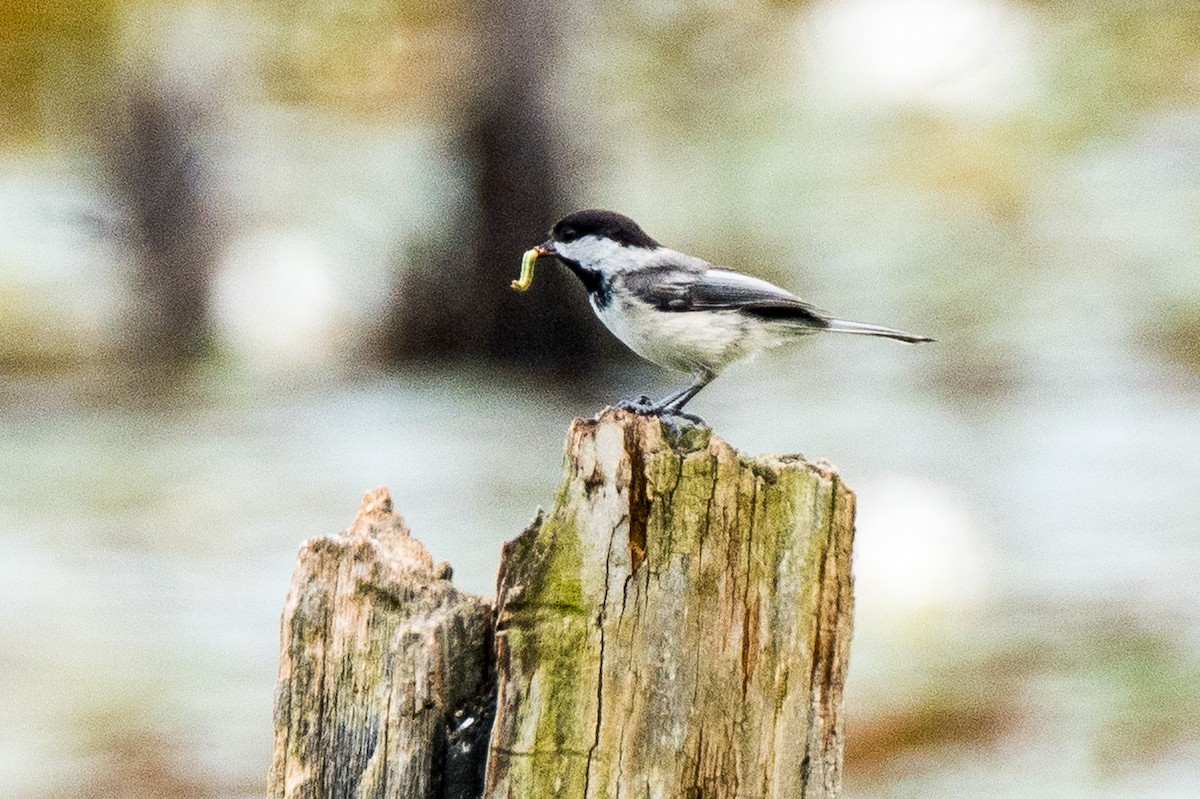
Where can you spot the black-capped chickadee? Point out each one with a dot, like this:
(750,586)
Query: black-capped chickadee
(676,310)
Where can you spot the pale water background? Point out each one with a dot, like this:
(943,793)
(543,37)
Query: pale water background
(1021,181)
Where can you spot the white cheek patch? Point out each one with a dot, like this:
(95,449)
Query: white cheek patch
(593,252)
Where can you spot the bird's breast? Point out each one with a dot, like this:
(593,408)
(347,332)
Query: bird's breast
(689,341)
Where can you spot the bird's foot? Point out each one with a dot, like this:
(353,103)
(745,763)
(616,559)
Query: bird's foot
(642,406)
(669,413)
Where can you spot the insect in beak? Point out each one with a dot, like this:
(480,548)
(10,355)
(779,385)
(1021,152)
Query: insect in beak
(526,279)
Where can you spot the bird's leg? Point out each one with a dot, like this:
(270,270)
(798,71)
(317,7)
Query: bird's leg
(676,401)
(667,400)
(648,407)
(673,404)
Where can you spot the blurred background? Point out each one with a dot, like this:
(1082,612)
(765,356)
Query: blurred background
(254,259)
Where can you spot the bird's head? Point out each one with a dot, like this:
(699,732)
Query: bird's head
(596,240)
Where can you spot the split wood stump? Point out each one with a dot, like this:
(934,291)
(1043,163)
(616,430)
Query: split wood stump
(676,627)
(381,662)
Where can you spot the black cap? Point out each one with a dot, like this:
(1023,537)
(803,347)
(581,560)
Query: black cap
(602,224)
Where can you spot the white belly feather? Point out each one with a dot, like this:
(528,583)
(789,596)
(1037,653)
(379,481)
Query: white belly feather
(688,341)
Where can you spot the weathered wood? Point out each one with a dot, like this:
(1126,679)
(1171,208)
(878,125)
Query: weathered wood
(677,626)
(383,667)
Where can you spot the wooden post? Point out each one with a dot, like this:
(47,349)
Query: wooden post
(677,626)
(384,670)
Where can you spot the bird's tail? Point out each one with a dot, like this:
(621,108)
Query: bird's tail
(864,329)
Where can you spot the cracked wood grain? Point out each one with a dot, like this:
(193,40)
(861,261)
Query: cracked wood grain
(716,671)
(383,665)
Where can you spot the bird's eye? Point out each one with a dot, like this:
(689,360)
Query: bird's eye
(568,233)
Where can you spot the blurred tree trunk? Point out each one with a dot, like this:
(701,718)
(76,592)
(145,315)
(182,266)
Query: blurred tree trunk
(460,304)
(156,171)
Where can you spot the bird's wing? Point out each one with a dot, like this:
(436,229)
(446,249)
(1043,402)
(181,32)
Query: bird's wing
(673,289)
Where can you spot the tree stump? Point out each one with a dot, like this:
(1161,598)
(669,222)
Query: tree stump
(385,668)
(677,626)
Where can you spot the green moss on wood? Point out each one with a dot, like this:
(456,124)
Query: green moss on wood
(678,670)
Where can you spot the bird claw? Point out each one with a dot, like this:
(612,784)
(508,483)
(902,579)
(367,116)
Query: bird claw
(643,406)
(691,417)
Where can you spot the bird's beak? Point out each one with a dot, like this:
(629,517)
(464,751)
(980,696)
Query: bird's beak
(546,248)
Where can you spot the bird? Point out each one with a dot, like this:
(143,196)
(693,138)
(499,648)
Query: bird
(677,310)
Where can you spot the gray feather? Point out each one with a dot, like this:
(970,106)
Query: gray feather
(672,288)
(681,283)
